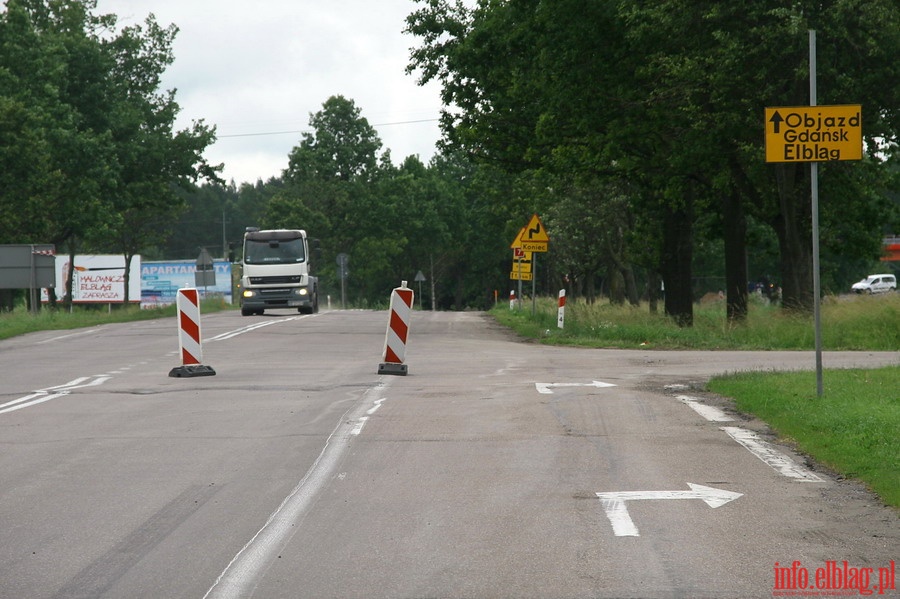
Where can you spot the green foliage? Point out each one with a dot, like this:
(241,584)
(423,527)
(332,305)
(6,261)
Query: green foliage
(665,99)
(91,155)
(851,429)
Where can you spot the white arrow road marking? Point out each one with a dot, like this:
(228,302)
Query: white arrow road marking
(42,395)
(545,387)
(771,456)
(623,525)
(711,413)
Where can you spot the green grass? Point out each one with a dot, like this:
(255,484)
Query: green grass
(848,323)
(20,321)
(853,429)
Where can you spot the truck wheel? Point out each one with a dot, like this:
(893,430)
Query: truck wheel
(246,312)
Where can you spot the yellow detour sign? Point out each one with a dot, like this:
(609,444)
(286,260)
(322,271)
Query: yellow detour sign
(814,133)
(521,265)
(533,237)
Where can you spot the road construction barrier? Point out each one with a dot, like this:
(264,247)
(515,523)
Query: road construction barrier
(561,310)
(397,332)
(189,341)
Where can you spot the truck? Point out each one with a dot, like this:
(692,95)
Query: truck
(277,272)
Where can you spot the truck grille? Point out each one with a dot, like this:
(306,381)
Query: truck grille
(282,280)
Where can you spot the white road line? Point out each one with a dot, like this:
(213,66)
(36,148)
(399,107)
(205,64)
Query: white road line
(55,339)
(361,423)
(253,327)
(42,395)
(771,456)
(711,413)
(241,575)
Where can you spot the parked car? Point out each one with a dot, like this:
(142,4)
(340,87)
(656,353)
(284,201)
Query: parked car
(876,284)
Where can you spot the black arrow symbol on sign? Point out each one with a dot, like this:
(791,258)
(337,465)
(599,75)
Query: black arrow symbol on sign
(534,231)
(776,120)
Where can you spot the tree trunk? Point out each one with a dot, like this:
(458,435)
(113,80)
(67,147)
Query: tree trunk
(735,234)
(616,284)
(653,290)
(792,226)
(675,264)
(128,257)
(631,290)
(69,283)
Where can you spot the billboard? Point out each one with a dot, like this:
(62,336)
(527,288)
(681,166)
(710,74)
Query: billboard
(98,279)
(160,281)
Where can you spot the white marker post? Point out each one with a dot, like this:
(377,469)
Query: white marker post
(561,311)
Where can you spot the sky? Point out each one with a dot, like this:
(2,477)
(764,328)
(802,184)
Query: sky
(257,70)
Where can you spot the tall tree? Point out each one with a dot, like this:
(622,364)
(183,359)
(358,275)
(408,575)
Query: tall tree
(152,158)
(668,93)
(328,190)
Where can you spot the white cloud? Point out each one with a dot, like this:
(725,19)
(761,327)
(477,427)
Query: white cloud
(262,67)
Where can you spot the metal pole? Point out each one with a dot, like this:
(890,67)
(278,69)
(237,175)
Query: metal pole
(814,183)
(519,296)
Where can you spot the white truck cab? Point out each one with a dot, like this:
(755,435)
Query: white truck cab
(276,272)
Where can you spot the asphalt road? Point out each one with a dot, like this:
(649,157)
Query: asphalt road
(496,468)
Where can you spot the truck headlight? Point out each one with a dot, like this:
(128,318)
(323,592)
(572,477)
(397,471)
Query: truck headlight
(301,291)
(248,293)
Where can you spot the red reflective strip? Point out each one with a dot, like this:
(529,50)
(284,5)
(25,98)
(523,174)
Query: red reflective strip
(191,295)
(390,356)
(398,326)
(190,327)
(187,358)
(406,295)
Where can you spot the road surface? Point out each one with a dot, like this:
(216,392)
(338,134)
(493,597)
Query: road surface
(495,468)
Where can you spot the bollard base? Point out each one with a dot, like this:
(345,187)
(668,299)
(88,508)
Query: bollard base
(390,368)
(193,370)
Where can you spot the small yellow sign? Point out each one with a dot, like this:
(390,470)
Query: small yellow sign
(813,133)
(521,266)
(521,276)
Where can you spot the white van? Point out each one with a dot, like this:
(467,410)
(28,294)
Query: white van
(876,284)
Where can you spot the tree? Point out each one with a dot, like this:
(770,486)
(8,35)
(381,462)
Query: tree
(84,104)
(669,96)
(151,158)
(328,189)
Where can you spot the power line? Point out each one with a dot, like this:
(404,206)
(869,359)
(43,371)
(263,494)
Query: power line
(294,132)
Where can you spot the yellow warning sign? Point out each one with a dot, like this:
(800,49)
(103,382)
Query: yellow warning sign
(533,237)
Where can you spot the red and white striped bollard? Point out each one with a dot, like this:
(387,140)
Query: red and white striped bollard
(397,332)
(189,341)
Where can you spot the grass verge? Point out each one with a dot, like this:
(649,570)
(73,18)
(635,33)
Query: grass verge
(848,323)
(21,322)
(852,429)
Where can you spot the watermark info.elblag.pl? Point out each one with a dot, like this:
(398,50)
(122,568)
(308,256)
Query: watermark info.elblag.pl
(834,579)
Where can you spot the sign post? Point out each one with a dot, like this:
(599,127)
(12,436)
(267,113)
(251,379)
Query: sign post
(531,238)
(814,134)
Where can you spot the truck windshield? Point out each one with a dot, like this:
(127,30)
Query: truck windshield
(285,251)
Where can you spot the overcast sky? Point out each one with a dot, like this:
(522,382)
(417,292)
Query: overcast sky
(257,69)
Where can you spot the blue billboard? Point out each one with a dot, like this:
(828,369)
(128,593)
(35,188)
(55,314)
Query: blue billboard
(160,281)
